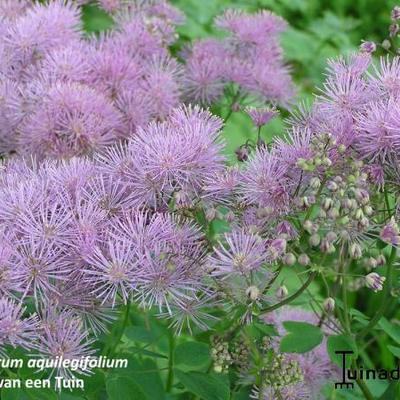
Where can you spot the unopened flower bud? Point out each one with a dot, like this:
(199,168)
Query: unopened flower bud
(395,14)
(344,220)
(380,260)
(253,293)
(333,213)
(327,203)
(304,202)
(332,186)
(361,196)
(364,222)
(281,292)
(331,236)
(315,183)
(329,305)
(368,47)
(355,251)
(386,44)
(304,260)
(371,263)
(326,162)
(301,163)
(341,148)
(393,30)
(391,233)
(359,214)
(368,210)
(317,161)
(308,226)
(315,239)
(374,281)
(289,259)
(242,153)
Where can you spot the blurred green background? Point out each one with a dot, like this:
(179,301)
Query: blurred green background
(318,30)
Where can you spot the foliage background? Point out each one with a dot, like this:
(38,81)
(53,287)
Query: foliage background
(318,30)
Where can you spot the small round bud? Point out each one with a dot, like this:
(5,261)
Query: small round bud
(333,213)
(331,236)
(393,30)
(332,186)
(371,263)
(281,292)
(329,305)
(355,251)
(359,214)
(242,153)
(289,259)
(344,220)
(374,281)
(317,161)
(253,293)
(380,260)
(341,148)
(364,222)
(326,162)
(386,44)
(368,47)
(327,203)
(308,226)
(315,239)
(368,210)
(304,260)
(315,183)
(395,14)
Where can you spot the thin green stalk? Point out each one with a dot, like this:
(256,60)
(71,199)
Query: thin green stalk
(386,296)
(289,299)
(122,330)
(362,385)
(170,378)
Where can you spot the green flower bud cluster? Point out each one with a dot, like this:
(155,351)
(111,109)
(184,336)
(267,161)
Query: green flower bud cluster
(282,372)
(220,354)
(240,354)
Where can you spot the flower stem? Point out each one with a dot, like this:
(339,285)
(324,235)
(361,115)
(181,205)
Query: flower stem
(170,378)
(122,330)
(386,296)
(292,297)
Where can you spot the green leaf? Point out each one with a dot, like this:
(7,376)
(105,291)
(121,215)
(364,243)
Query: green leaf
(146,375)
(340,343)
(394,350)
(13,394)
(41,394)
(206,386)
(193,354)
(139,334)
(302,337)
(122,388)
(391,329)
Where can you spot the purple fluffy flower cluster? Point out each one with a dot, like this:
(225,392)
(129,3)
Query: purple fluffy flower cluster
(250,57)
(65,95)
(359,107)
(82,236)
